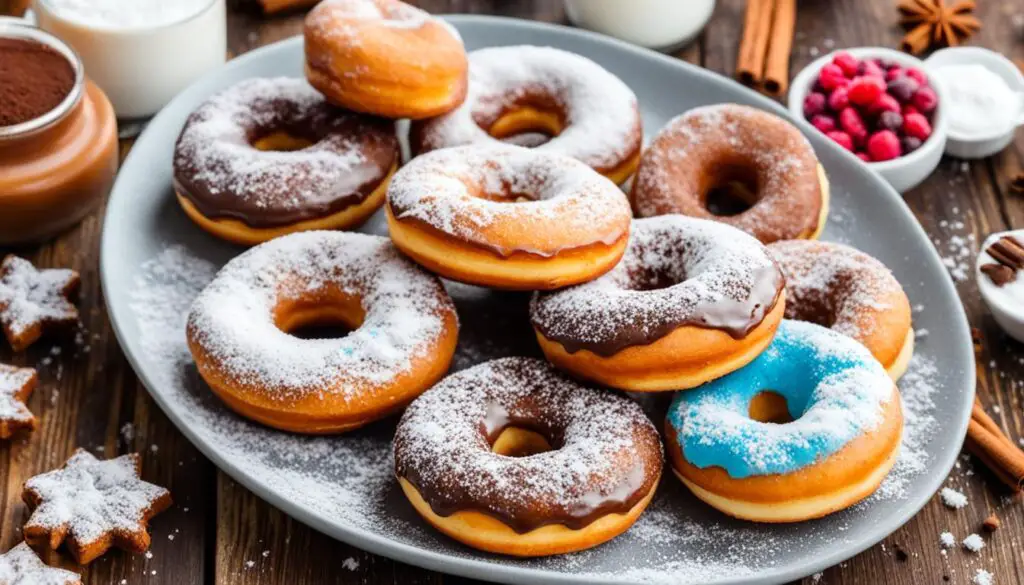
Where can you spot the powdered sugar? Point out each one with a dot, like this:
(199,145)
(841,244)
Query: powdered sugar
(233,318)
(387,12)
(92,498)
(983,577)
(602,123)
(947,540)
(973,543)
(31,298)
(470,193)
(952,498)
(21,566)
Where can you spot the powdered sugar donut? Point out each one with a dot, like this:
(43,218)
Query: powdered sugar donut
(691,300)
(384,57)
(590,114)
(722,146)
(811,426)
(507,217)
(268,157)
(404,331)
(839,287)
(512,457)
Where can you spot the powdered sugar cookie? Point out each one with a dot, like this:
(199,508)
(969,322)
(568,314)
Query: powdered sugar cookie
(16,384)
(32,301)
(21,566)
(92,505)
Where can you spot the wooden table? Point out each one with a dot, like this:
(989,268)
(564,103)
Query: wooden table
(220,533)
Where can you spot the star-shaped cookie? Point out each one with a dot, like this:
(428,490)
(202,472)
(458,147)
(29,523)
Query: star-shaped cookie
(92,505)
(21,566)
(16,384)
(32,301)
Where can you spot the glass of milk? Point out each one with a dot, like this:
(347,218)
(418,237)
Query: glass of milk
(140,52)
(663,25)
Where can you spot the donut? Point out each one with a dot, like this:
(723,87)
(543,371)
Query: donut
(842,288)
(588,113)
(511,457)
(691,300)
(727,146)
(268,157)
(810,427)
(507,217)
(240,331)
(384,57)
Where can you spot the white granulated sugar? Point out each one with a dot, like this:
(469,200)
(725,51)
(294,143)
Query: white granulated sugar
(973,543)
(406,310)
(602,123)
(952,498)
(983,577)
(457,192)
(350,564)
(124,14)
(713,268)
(21,566)
(947,540)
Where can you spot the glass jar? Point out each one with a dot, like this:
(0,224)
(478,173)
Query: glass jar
(56,168)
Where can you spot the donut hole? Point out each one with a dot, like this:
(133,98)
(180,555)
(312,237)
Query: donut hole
(281,141)
(732,190)
(520,442)
(327,315)
(769,406)
(527,125)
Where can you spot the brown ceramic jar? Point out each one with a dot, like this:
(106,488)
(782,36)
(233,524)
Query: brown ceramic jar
(54,169)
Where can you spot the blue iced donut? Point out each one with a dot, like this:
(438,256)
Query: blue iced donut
(811,426)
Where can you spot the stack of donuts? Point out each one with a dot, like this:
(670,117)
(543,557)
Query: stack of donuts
(781,351)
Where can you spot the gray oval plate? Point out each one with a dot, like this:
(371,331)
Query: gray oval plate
(154,260)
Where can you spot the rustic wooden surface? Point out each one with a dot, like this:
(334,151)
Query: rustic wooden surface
(220,533)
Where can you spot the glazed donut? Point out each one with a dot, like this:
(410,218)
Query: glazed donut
(239,331)
(513,458)
(507,217)
(384,57)
(268,157)
(691,300)
(838,287)
(590,114)
(811,426)
(714,147)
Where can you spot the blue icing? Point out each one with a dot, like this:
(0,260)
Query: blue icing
(834,390)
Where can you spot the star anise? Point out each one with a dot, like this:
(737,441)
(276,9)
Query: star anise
(933,23)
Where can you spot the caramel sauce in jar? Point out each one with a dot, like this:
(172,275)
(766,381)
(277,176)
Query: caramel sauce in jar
(56,168)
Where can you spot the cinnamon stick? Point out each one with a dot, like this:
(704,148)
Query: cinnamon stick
(275,6)
(776,69)
(754,44)
(986,441)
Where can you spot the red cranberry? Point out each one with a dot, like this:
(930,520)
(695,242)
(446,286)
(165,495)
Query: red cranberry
(852,123)
(842,139)
(894,72)
(863,156)
(864,90)
(902,88)
(884,103)
(883,145)
(847,62)
(890,120)
(917,75)
(872,69)
(917,125)
(909,144)
(909,109)
(824,123)
(830,81)
(925,99)
(839,99)
(814,104)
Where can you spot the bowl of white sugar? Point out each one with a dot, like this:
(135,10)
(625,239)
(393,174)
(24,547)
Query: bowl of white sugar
(986,99)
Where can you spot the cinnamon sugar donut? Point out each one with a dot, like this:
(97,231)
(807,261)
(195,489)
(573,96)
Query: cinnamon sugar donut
(812,426)
(513,458)
(845,289)
(268,157)
(384,57)
(590,114)
(404,331)
(507,217)
(713,147)
(690,301)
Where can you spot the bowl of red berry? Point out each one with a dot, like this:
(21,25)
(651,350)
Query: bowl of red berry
(878,104)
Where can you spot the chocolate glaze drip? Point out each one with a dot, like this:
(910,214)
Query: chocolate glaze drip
(217,192)
(632,473)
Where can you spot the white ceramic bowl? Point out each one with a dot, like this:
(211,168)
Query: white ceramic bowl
(1006,302)
(982,145)
(903,173)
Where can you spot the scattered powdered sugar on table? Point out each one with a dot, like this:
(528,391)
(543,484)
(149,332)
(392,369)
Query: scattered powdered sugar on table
(983,577)
(347,481)
(952,498)
(947,540)
(973,543)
